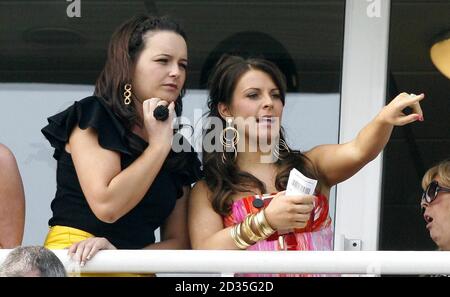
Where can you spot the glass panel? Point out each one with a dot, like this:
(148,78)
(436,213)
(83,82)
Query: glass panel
(414,148)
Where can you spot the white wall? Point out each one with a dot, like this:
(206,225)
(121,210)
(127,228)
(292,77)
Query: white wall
(309,119)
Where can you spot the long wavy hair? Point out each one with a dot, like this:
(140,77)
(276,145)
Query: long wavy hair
(126,43)
(224,178)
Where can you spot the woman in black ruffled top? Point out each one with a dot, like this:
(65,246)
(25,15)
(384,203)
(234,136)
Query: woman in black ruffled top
(117,178)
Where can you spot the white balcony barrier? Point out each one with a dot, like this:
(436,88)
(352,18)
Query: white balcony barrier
(211,261)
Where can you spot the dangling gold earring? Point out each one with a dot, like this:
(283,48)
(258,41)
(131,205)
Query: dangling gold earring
(280,145)
(229,143)
(127,94)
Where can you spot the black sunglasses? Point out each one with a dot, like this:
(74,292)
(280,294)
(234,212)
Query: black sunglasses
(431,192)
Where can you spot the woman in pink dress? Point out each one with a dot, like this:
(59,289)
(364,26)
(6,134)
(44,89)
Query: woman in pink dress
(230,207)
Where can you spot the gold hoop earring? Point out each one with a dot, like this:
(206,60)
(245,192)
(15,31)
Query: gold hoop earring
(127,94)
(280,145)
(229,144)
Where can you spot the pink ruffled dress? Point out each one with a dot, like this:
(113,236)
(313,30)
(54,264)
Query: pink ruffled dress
(317,235)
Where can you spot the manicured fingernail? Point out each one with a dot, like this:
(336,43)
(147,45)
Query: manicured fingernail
(421,118)
(82,263)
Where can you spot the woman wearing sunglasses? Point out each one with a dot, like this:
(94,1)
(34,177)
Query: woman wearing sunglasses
(436,203)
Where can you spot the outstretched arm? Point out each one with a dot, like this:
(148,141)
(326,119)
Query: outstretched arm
(339,162)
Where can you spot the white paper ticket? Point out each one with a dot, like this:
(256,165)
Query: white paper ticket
(298,184)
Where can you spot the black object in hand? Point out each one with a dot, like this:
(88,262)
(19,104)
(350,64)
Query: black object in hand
(258,203)
(161,113)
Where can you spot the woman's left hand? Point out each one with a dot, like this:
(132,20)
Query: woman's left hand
(393,112)
(84,250)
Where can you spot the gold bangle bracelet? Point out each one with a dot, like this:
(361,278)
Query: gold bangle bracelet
(266,223)
(259,225)
(239,237)
(248,231)
(263,225)
(235,238)
(259,232)
(238,241)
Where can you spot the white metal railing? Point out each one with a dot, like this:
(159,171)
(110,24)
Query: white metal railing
(212,261)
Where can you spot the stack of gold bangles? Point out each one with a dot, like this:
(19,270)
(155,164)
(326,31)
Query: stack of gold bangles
(243,234)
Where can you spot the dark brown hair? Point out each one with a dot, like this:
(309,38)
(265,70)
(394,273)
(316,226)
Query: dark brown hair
(125,45)
(225,178)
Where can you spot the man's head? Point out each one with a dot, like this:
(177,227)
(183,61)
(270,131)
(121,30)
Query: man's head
(32,261)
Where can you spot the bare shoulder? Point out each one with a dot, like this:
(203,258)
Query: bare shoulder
(6,156)
(200,191)
(322,154)
(200,187)
(79,134)
(316,151)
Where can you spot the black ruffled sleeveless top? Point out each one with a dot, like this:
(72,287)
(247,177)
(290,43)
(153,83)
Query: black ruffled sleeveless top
(134,230)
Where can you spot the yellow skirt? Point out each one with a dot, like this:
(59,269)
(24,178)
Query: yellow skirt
(62,237)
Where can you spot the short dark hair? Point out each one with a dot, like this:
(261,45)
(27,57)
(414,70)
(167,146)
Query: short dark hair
(32,261)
